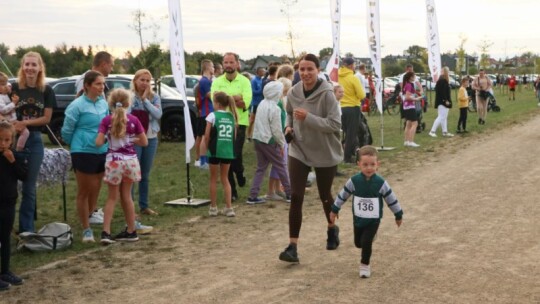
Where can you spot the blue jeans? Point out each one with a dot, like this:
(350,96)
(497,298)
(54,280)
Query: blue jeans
(27,210)
(146,158)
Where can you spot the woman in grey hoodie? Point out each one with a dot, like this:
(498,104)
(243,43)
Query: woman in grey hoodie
(313,125)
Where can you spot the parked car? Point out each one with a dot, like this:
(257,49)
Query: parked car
(172,121)
(191,82)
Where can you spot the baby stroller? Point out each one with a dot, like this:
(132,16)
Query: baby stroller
(492,103)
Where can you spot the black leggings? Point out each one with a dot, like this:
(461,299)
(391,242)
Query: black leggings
(363,238)
(237,165)
(7,217)
(462,122)
(298,172)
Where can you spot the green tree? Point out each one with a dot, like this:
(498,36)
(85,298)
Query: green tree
(484,47)
(461,66)
(326,52)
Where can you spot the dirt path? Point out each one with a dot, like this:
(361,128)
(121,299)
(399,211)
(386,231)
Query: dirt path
(470,235)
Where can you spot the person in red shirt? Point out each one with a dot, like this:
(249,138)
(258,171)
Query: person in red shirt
(512,86)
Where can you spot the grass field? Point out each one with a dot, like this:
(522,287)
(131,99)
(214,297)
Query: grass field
(168,180)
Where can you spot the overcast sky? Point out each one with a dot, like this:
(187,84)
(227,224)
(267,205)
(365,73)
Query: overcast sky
(256,27)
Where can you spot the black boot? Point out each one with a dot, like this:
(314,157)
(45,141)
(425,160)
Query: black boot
(332,242)
(289,254)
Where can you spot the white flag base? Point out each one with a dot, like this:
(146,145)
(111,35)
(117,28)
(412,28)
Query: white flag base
(188,202)
(381,148)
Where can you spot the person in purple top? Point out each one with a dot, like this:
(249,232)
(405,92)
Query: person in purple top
(122,131)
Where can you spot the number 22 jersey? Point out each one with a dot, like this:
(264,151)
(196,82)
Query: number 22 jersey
(221,143)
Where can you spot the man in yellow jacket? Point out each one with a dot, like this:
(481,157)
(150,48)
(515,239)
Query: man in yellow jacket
(350,107)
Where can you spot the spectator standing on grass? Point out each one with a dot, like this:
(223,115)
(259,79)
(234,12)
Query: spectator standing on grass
(482,85)
(269,142)
(350,107)
(221,126)
(205,107)
(512,82)
(314,122)
(218,70)
(257,97)
(34,110)
(463,105)
(11,170)
(361,75)
(80,129)
(146,107)
(122,131)
(443,104)
(537,88)
(410,97)
(103,63)
(368,190)
(239,88)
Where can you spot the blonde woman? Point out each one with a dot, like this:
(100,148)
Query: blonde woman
(443,104)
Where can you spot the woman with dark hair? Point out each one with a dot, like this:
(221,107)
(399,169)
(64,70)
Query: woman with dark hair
(80,129)
(409,109)
(313,125)
(34,110)
(443,104)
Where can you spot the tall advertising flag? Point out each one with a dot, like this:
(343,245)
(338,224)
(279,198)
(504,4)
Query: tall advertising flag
(178,67)
(434,51)
(333,63)
(374,42)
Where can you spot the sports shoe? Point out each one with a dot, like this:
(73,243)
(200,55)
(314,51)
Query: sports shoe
(10,278)
(197,163)
(143,229)
(432,134)
(447,134)
(229,212)
(273,197)
(4,285)
(213,211)
(281,193)
(365,271)
(332,242)
(412,144)
(204,167)
(126,236)
(288,198)
(406,143)
(106,238)
(149,211)
(96,218)
(88,236)
(289,254)
(255,200)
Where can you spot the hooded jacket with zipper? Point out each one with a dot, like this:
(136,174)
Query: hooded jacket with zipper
(354,91)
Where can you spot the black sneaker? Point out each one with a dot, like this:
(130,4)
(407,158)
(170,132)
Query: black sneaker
(11,278)
(332,242)
(289,255)
(106,238)
(126,236)
(4,285)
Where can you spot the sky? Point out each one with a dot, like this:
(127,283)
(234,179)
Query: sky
(257,27)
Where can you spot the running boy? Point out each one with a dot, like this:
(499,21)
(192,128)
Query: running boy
(368,190)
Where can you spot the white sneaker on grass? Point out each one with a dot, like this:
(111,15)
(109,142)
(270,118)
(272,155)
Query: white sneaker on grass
(143,229)
(412,144)
(213,211)
(197,163)
(229,212)
(273,197)
(432,134)
(448,134)
(96,218)
(406,143)
(88,236)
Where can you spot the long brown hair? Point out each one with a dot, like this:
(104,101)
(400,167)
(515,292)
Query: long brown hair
(119,101)
(227,101)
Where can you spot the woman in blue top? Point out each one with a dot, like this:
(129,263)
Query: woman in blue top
(80,129)
(147,107)
(34,110)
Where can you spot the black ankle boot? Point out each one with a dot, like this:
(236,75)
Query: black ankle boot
(332,242)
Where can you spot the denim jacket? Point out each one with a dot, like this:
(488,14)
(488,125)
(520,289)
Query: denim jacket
(152,107)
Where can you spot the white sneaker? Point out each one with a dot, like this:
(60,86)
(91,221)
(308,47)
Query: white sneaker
(448,134)
(229,212)
(88,236)
(96,218)
(213,211)
(273,197)
(406,144)
(413,144)
(197,163)
(143,229)
(432,134)
(365,271)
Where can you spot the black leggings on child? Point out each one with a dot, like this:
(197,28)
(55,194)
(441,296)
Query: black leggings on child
(7,217)
(363,238)
(462,122)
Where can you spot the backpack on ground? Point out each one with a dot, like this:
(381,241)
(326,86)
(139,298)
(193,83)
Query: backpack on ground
(53,236)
